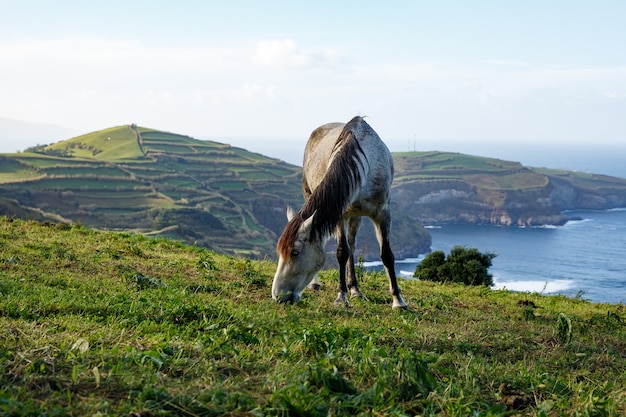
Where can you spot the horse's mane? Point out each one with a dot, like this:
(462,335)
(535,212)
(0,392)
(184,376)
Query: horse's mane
(333,195)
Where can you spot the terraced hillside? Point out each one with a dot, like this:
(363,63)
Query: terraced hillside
(149,181)
(136,179)
(446,187)
(131,178)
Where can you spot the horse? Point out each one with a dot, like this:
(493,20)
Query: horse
(347,174)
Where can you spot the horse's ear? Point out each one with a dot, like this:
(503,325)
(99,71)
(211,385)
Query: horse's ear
(305,227)
(290,213)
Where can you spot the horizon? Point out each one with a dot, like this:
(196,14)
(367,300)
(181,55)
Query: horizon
(597,158)
(426,72)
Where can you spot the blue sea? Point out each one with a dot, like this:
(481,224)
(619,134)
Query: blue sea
(585,258)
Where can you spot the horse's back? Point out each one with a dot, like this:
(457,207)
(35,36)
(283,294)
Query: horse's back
(323,144)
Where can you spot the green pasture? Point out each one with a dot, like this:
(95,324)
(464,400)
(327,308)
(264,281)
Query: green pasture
(427,161)
(168,148)
(584,179)
(257,175)
(86,171)
(210,173)
(152,137)
(147,169)
(79,183)
(114,324)
(45,161)
(251,156)
(149,135)
(229,185)
(112,144)
(130,200)
(524,180)
(282,172)
(12,170)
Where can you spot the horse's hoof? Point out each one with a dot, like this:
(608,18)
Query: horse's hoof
(398,302)
(356,293)
(342,300)
(315,287)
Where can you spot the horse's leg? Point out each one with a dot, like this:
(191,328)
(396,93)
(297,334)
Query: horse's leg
(353,285)
(343,253)
(383,225)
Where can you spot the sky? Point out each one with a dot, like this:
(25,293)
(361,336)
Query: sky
(469,76)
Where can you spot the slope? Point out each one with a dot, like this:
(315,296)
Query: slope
(143,180)
(96,323)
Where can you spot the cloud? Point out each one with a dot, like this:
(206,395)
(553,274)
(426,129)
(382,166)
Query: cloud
(258,93)
(287,87)
(278,53)
(288,55)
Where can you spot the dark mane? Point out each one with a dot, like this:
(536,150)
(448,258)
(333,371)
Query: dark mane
(334,194)
(289,236)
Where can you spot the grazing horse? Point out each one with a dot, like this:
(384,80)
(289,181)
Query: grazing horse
(347,174)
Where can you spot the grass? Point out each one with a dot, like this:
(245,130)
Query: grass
(96,323)
(86,171)
(164,170)
(116,143)
(484,173)
(12,170)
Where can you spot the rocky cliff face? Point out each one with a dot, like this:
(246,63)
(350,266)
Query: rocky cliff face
(438,188)
(606,193)
(460,202)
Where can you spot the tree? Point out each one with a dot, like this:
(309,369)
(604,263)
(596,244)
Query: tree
(462,265)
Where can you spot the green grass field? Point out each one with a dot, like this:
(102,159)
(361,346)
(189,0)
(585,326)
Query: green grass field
(116,143)
(97,323)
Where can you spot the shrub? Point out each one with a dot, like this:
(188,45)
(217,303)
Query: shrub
(462,265)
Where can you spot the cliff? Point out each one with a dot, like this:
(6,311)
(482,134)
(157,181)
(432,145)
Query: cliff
(437,187)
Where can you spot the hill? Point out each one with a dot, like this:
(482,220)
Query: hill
(131,178)
(444,187)
(143,180)
(96,323)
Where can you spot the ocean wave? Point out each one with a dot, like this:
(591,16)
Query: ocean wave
(554,286)
(546,226)
(571,222)
(410,260)
(371,264)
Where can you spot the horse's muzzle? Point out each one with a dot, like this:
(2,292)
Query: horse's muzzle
(289,298)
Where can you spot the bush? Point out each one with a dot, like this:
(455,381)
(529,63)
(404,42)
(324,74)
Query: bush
(462,265)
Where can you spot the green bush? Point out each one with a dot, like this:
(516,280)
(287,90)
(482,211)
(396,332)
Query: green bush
(462,265)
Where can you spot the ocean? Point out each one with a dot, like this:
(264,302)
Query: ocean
(585,258)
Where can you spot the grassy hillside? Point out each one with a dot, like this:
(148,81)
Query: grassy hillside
(483,173)
(142,180)
(147,181)
(233,201)
(97,323)
(116,143)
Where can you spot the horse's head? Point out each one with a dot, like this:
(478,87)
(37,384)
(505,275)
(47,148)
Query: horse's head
(300,256)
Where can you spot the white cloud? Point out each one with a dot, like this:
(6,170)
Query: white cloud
(286,88)
(278,53)
(258,93)
(286,54)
